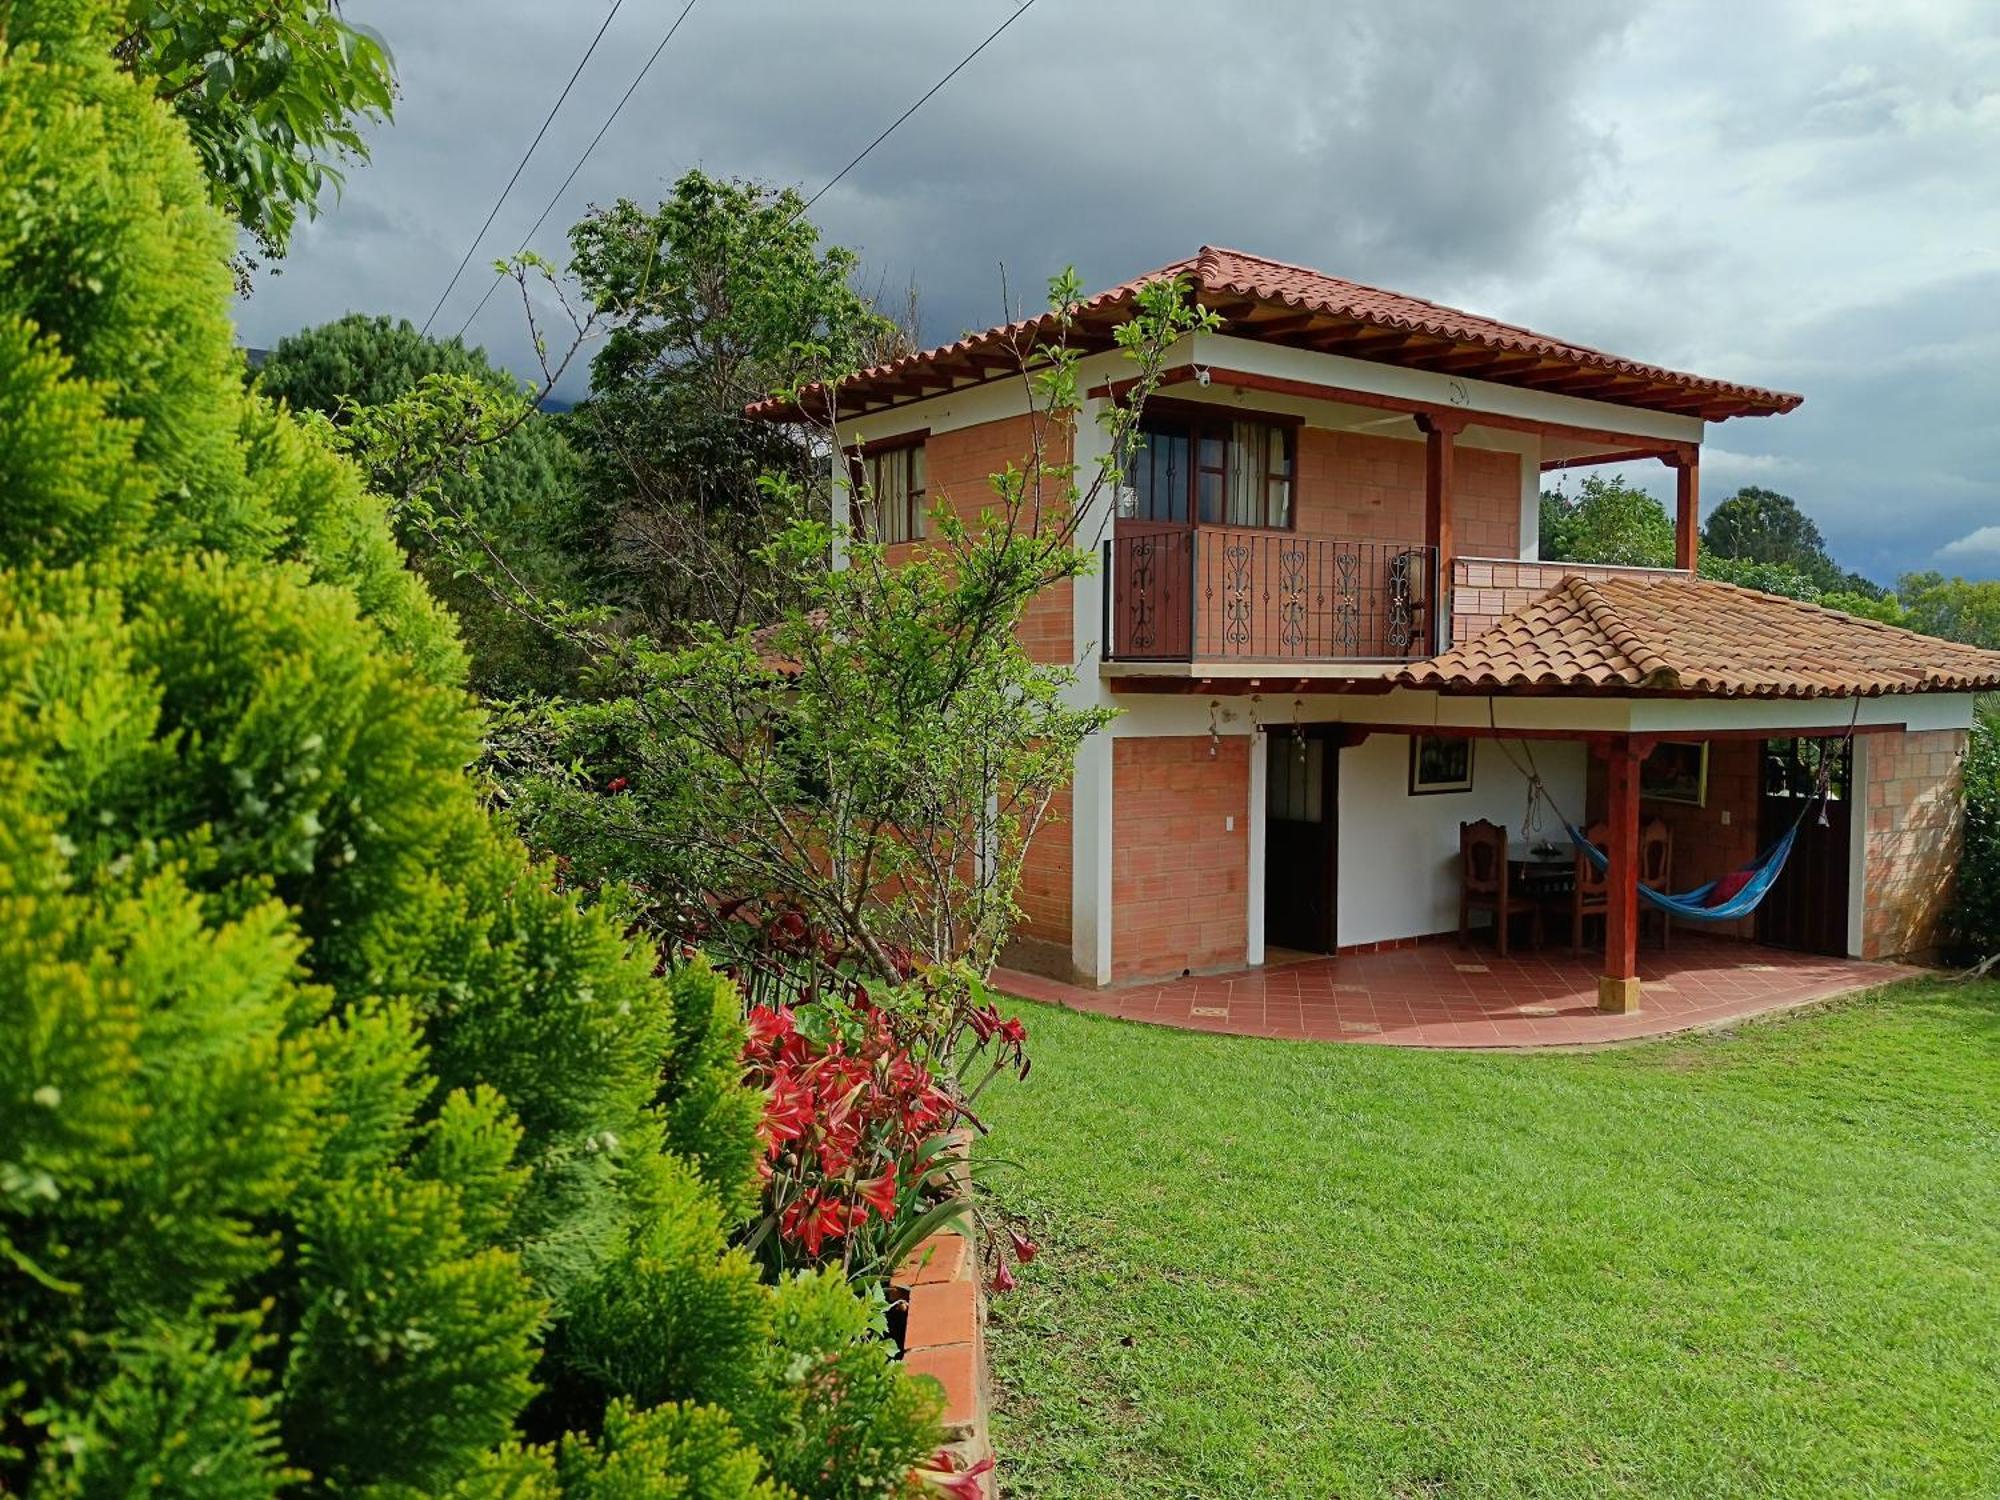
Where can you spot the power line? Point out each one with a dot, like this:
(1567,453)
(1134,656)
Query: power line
(990,39)
(549,207)
(521,165)
(824,188)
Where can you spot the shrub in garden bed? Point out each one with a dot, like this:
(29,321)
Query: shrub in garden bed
(1977,921)
(340,1150)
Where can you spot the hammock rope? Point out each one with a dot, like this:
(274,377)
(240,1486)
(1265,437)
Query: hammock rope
(1697,905)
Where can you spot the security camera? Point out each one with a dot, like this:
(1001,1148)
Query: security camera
(1201,377)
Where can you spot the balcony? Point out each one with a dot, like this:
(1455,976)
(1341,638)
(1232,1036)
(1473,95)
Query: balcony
(1180,594)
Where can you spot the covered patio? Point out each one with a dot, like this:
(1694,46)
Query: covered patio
(1439,994)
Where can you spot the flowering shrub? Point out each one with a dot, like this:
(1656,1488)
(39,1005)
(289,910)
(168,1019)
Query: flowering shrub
(859,1124)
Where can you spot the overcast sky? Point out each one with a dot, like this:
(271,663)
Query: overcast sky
(1796,193)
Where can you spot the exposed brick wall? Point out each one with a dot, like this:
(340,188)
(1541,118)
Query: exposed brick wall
(1704,848)
(1180,879)
(1484,591)
(957,467)
(1916,827)
(1041,943)
(1364,485)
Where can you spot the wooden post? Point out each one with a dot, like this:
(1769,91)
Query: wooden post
(1438,431)
(1686,463)
(1618,987)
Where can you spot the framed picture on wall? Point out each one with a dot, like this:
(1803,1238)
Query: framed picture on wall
(1676,771)
(1439,763)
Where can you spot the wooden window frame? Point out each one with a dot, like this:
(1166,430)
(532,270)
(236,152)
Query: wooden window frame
(1211,415)
(859,454)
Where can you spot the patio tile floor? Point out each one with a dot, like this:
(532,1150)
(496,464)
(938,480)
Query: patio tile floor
(1433,996)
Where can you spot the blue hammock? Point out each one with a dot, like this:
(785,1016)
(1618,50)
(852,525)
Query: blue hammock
(1764,872)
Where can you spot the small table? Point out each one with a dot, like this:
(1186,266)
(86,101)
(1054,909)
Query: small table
(1537,862)
(1544,875)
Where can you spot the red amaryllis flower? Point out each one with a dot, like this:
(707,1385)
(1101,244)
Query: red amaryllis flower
(960,1486)
(766,1025)
(814,1220)
(879,1193)
(616,784)
(1013,1032)
(790,1110)
(1003,1279)
(1025,1249)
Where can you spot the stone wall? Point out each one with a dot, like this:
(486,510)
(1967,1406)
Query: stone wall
(1915,806)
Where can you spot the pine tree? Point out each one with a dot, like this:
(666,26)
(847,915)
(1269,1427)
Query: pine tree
(338,1148)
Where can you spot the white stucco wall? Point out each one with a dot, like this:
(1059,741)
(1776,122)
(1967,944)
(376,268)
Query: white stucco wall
(1399,854)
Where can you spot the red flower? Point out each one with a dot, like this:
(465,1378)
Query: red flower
(879,1193)
(766,1025)
(1013,1032)
(814,1220)
(1025,1249)
(965,1486)
(790,1110)
(617,784)
(1003,1279)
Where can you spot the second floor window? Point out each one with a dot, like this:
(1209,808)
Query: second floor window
(1220,470)
(889,499)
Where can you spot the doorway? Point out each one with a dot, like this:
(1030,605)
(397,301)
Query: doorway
(1301,836)
(1806,908)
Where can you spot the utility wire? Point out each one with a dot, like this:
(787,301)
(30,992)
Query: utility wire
(549,207)
(521,165)
(962,62)
(825,187)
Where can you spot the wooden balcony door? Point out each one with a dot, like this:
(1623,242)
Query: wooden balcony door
(1152,565)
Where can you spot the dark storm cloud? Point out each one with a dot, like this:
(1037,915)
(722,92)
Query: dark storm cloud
(1802,194)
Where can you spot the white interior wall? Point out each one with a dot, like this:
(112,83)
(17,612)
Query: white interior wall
(1399,854)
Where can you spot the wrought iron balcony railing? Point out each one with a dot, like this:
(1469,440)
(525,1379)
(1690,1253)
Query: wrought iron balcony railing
(1193,594)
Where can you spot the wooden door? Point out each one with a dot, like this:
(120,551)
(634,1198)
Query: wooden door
(1806,908)
(1152,548)
(1301,840)
(1152,591)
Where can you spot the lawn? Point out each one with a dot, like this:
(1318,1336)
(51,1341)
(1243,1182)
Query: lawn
(1765,1263)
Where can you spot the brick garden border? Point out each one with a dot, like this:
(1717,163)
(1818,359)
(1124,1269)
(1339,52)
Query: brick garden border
(944,1332)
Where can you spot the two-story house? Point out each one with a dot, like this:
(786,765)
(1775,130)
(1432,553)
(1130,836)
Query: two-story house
(1322,614)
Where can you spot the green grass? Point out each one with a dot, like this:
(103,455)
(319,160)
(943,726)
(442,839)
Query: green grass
(1765,1263)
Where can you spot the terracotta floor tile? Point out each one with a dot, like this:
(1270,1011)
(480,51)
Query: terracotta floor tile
(1423,996)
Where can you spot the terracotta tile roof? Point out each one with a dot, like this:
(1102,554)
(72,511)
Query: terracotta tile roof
(1215,273)
(1695,635)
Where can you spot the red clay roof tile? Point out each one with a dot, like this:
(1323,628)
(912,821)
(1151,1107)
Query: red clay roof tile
(1696,635)
(1215,271)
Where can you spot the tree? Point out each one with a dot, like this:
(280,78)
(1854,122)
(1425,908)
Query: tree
(720,295)
(1757,525)
(1609,521)
(526,486)
(1760,525)
(275,95)
(1958,609)
(339,1149)
(881,753)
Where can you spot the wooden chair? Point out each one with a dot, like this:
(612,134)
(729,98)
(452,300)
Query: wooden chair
(1656,869)
(1591,896)
(1482,884)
